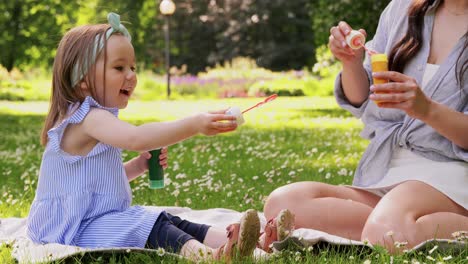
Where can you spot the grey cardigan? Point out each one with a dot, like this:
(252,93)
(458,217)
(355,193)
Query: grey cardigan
(388,129)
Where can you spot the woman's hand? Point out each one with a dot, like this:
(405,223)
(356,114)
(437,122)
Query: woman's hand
(339,48)
(402,92)
(213,123)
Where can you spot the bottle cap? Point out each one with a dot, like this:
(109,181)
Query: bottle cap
(355,39)
(379,57)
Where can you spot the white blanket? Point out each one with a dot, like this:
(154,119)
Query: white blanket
(13,230)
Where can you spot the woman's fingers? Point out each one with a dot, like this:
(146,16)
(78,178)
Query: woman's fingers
(393,76)
(363,32)
(337,48)
(344,28)
(398,82)
(392,97)
(390,88)
(338,37)
(337,42)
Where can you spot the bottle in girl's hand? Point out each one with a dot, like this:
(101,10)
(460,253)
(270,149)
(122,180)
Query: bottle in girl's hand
(156,171)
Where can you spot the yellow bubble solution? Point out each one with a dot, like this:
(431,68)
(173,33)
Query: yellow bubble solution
(379,63)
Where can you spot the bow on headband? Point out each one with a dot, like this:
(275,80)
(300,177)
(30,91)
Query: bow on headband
(116,27)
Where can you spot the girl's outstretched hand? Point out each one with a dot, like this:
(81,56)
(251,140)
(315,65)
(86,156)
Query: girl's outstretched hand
(338,46)
(402,92)
(216,122)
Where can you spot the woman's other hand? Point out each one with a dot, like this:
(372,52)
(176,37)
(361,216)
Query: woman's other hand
(402,92)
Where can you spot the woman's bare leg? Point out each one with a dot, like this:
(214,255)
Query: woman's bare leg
(337,210)
(413,212)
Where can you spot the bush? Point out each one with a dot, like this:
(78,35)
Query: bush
(150,88)
(237,68)
(19,86)
(315,87)
(194,87)
(240,77)
(282,87)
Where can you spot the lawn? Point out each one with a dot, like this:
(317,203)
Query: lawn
(290,139)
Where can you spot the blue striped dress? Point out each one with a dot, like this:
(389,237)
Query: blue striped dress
(85,200)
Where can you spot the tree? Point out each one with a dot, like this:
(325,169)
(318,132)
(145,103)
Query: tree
(143,23)
(32,30)
(358,13)
(277,33)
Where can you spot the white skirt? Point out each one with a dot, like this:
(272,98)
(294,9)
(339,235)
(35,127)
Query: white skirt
(450,178)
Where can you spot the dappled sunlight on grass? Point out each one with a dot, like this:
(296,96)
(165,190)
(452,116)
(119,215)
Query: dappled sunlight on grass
(285,141)
(24,108)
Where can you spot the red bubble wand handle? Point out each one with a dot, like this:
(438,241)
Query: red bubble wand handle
(268,99)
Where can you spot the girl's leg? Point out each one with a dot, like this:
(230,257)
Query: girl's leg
(242,236)
(209,236)
(205,234)
(170,232)
(165,234)
(337,210)
(411,213)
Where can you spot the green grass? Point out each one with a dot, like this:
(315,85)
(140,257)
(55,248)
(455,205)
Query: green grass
(288,140)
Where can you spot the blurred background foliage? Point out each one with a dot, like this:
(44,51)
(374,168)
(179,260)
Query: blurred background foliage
(280,45)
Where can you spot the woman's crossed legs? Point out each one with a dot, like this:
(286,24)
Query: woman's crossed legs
(411,212)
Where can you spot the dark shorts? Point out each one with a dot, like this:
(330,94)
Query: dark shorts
(171,233)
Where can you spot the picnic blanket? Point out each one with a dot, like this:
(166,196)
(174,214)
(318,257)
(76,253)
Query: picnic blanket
(13,231)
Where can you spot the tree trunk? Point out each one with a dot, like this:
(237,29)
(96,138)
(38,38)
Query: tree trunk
(14,26)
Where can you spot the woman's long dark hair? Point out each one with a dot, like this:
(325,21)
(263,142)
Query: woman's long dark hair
(412,41)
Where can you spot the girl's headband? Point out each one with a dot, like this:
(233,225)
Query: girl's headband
(116,27)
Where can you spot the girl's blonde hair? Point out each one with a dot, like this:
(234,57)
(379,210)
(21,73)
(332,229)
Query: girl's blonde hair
(75,48)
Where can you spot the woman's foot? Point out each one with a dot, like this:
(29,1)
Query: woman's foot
(242,237)
(277,229)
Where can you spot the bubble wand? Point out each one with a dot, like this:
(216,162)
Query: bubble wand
(268,99)
(369,51)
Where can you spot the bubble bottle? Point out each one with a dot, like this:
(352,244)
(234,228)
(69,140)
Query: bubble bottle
(155,170)
(379,63)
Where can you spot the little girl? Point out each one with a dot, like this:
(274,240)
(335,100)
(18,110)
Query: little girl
(83,195)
